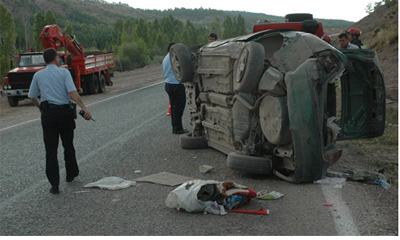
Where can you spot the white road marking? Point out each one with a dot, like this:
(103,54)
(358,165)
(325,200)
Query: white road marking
(344,223)
(94,103)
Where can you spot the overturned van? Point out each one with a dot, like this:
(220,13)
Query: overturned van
(269,100)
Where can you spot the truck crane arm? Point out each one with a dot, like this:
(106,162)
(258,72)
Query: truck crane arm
(54,37)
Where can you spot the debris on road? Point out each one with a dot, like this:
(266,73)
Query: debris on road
(111,183)
(265,195)
(328,204)
(209,196)
(365,176)
(205,168)
(261,211)
(165,178)
(338,182)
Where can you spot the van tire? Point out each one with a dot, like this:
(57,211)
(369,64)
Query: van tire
(298,17)
(181,63)
(196,142)
(249,164)
(248,68)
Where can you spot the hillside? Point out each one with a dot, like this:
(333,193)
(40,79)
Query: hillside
(93,20)
(380,32)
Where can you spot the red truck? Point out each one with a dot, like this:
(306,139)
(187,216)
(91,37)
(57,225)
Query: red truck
(303,22)
(91,72)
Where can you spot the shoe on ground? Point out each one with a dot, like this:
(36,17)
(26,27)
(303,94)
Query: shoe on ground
(71,178)
(54,190)
(181,131)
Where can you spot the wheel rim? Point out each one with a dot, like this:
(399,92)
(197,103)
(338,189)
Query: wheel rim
(241,66)
(176,67)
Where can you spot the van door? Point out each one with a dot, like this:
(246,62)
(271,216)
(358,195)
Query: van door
(363,97)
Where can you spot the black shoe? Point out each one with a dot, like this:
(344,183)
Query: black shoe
(181,131)
(54,190)
(71,178)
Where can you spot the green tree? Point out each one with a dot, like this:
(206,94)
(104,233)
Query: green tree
(229,30)
(69,29)
(240,25)
(49,18)
(117,32)
(38,25)
(8,36)
(215,26)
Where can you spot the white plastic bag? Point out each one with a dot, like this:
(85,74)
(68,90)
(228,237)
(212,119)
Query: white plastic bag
(185,197)
(111,183)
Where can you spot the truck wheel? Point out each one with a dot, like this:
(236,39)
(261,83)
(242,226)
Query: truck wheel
(94,85)
(85,85)
(102,84)
(249,68)
(189,142)
(181,63)
(13,101)
(249,164)
(298,17)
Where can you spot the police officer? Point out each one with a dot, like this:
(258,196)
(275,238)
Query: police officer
(55,87)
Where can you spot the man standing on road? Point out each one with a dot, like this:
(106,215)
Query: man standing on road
(345,42)
(55,87)
(176,94)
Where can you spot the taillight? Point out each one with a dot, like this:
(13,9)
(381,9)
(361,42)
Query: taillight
(333,156)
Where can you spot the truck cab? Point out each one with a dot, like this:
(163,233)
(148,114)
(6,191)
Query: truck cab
(18,80)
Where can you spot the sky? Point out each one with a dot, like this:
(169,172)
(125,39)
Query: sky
(351,10)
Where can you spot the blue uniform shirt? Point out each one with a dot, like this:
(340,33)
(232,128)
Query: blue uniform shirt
(168,74)
(53,84)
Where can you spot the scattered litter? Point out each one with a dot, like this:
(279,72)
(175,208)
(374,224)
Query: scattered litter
(137,171)
(331,181)
(216,209)
(328,204)
(205,168)
(261,211)
(111,183)
(365,176)
(165,178)
(82,192)
(337,174)
(269,196)
(194,157)
(338,186)
(208,196)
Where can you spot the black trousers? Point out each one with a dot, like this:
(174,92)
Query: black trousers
(59,123)
(177,98)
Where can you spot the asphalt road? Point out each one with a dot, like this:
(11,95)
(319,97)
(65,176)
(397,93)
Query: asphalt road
(132,132)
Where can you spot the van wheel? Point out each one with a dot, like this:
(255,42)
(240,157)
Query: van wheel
(181,63)
(249,164)
(298,17)
(189,142)
(94,84)
(249,68)
(13,101)
(102,84)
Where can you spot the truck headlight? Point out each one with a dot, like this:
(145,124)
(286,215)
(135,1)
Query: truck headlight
(5,87)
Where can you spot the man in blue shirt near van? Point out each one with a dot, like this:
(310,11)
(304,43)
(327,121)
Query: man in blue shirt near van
(55,87)
(176,93)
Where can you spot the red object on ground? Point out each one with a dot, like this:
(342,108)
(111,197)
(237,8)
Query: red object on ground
(328,204)
(261,211)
